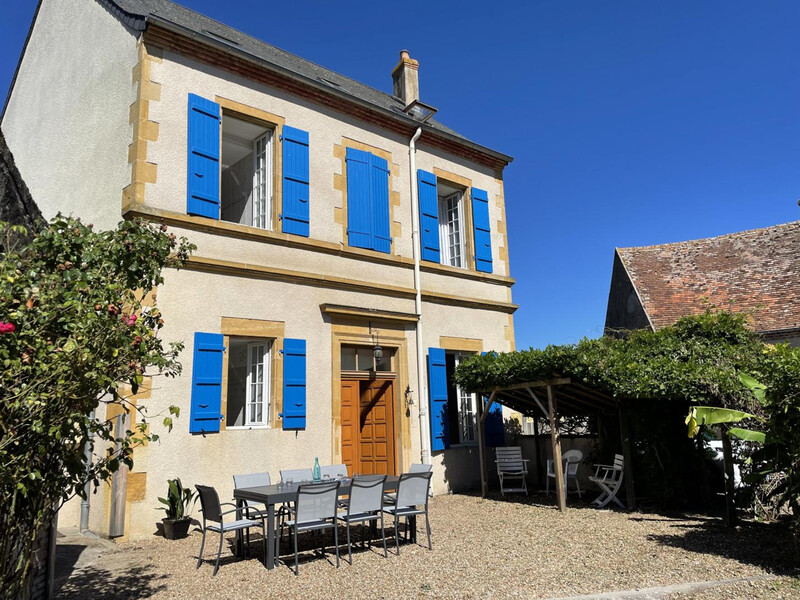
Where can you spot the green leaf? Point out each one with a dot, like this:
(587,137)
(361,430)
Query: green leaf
(748,435)
(711,415)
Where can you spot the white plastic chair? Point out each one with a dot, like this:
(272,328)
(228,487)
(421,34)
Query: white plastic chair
(572,460)
(511,465)
(609,479)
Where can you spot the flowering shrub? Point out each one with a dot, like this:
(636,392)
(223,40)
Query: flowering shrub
(75,337)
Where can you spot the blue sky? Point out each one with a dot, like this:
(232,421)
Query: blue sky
(631,123)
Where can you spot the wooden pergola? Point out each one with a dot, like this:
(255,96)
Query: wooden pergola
(553,398)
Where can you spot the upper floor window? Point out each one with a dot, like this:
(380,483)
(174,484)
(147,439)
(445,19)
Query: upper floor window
(231,162)
(443,223)
(247,167)
(451,226)
(368,201)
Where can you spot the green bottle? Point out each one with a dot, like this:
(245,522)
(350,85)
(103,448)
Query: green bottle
(317,470)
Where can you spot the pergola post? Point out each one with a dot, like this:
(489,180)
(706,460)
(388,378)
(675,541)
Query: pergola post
(556,441)
(482,412)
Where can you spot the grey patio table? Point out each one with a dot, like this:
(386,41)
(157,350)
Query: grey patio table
(270,495)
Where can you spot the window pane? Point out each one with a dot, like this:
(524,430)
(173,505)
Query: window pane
(348,358)
(365,359)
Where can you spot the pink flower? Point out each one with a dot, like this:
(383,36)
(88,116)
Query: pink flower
(7,327)
(131,320)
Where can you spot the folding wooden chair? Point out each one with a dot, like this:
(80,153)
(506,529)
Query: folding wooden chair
(609,479)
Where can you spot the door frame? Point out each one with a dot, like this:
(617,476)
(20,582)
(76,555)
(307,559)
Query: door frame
(371,377)
(356,331)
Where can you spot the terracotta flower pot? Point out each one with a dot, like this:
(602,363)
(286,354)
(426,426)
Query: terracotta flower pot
(176,530)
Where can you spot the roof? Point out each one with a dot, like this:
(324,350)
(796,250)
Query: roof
(138,13)
(757,271)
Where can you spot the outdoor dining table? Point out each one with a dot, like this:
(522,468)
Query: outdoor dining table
(270,495)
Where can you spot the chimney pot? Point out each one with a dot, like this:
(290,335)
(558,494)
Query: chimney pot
(405,79)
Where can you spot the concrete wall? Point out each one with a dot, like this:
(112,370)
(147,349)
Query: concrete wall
(67,118)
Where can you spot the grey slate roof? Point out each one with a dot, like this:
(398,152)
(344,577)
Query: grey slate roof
(136,14)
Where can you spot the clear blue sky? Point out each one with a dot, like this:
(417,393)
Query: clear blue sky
(631,123)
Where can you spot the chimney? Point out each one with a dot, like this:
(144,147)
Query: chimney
(405,79)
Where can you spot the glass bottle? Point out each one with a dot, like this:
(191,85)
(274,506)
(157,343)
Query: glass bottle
(317,471)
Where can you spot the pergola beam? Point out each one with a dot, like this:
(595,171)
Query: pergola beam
(531,384)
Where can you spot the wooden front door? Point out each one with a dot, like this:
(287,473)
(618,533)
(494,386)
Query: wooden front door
(368,426)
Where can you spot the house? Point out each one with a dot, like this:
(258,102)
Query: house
(755,271)
(315,324)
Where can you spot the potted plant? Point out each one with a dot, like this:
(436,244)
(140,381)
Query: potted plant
(179,502)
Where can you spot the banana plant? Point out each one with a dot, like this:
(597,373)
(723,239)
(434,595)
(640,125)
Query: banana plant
(722,419)
(179,501)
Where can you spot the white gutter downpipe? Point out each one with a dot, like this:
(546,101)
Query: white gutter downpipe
(424,426)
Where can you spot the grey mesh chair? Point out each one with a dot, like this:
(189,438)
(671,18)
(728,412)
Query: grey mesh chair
(412,500)
(212,511)
(315,509)
(333,471)
(296,475)
(414,468)
(252,480)
(364,505)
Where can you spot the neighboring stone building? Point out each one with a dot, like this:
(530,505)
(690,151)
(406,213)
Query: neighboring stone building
(16,205)
(299,187)
(755,271)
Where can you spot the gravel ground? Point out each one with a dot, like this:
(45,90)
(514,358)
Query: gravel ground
(481,549)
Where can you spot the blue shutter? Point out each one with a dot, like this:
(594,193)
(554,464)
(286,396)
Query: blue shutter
(294,384)
(428,215)
(381,228)
(482,230)
(494,428)
(295,181)
(206,383)
(437,389)
(202,186)
(359,210)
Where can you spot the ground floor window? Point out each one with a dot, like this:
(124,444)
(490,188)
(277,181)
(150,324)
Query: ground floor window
(461,405)
(248,382)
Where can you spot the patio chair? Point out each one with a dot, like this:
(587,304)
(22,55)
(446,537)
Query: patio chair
(412,493)
(389,497)
(333,471)
(315,510)
(296,475)
(511,465)
(212,511)
(365,505)
(609,479)
(572,460)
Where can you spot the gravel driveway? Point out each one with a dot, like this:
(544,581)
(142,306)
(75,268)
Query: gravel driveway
(481,549)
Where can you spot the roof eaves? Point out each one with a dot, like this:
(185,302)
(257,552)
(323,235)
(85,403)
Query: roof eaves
(134,21)
(212,41)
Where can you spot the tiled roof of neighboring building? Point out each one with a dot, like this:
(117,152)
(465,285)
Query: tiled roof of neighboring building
(135,14)
(757,271)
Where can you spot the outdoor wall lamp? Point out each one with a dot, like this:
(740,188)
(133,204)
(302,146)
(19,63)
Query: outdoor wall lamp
(377,351)
(409,396)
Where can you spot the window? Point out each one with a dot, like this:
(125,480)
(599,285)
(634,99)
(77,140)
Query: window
(361,358)
(368,201)
(246,179)
(528,425)
(248,382)
(461,405)
(451,226)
